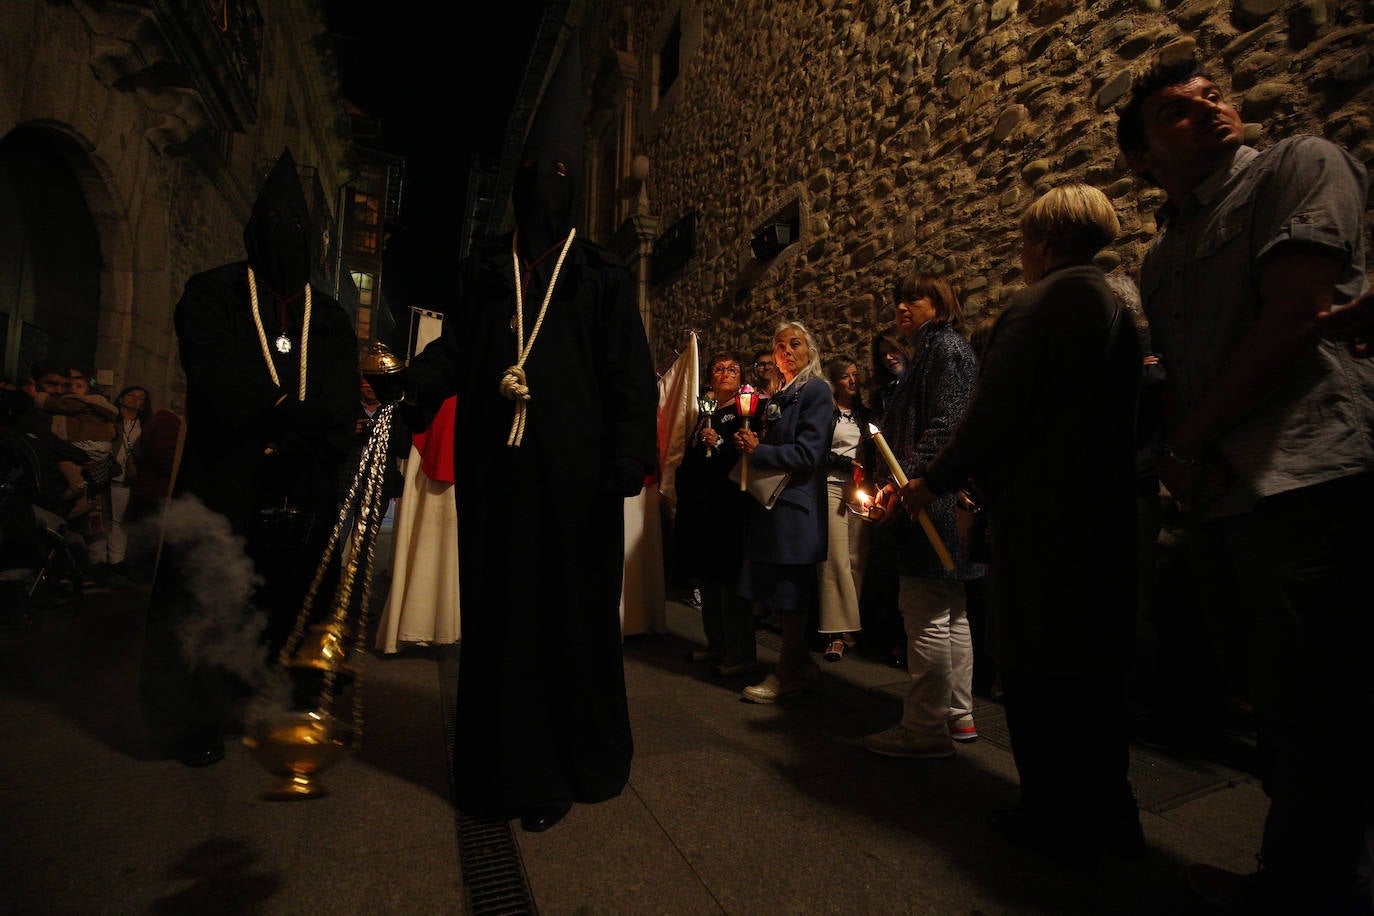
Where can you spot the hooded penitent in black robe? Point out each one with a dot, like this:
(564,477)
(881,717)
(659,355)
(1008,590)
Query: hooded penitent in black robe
(541,711)
(253,447)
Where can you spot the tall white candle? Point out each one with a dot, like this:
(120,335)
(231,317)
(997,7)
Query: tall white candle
(899,476)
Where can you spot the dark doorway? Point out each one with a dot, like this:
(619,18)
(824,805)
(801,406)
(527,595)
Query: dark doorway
(49,254)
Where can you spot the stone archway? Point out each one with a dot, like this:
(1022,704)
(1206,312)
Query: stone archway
(55,248)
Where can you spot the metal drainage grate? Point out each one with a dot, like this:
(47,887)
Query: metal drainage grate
(493,872)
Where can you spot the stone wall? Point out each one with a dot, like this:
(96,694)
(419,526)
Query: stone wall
(913,134)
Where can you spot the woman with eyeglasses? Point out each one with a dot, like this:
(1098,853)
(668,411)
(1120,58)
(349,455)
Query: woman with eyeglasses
(783,544)
(708,532)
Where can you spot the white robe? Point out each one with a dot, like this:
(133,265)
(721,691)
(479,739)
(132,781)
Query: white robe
(422,606)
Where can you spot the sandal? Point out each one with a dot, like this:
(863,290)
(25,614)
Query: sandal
(835,650)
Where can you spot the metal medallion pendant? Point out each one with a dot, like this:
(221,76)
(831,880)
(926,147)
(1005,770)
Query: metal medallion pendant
(283,343)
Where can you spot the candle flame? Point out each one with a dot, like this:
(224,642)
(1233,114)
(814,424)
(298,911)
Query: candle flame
(873,430)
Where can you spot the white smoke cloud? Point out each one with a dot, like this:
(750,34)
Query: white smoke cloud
(222,629)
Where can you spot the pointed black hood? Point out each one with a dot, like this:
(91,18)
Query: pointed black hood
(547,195)
(278,234)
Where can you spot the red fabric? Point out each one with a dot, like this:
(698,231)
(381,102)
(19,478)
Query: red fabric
(435,444)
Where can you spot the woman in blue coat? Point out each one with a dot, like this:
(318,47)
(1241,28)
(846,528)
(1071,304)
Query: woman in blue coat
(784,544)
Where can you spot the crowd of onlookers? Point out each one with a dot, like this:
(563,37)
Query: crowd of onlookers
(1174,479)
(82,470)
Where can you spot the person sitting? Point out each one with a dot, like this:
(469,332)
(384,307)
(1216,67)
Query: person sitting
(88,423)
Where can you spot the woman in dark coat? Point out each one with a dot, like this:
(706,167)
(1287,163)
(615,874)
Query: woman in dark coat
(709,535)
(882,622)
(920,417)
(1049,441)
(784,544)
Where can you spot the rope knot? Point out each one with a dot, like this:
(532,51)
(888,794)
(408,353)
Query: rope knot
(513,385)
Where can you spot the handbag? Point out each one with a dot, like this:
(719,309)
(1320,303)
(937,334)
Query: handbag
(99,471)
(765,484)
(971,523)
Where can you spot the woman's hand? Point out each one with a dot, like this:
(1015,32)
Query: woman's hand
(746,441)
(883,504)
(710,437)
(916,496)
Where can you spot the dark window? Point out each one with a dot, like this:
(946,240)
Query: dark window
(669,57)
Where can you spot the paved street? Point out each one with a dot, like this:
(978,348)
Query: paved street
(731,808)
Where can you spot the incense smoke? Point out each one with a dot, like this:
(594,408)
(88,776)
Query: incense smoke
(223,629)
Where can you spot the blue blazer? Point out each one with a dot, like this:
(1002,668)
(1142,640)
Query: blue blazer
(796,439)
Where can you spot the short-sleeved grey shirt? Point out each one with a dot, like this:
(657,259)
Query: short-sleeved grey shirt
(1199,288)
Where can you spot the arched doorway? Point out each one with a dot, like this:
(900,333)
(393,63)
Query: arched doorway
(50,258)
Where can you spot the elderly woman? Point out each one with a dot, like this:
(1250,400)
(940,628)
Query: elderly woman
(1049,440)
(709,533)
(783,544)
(921,415)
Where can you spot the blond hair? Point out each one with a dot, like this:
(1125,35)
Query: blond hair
(1076,219)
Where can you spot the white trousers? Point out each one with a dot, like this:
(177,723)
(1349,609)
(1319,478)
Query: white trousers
(117,541)
(939,654)
(841,572)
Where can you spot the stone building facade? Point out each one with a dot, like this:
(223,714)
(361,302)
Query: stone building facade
(134,135)
(894,134)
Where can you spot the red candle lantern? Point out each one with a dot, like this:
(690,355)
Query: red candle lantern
(748,401)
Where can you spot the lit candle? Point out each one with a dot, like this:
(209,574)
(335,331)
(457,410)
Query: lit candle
(926,524)
(707,405)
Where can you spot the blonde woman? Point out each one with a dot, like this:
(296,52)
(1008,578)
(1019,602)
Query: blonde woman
(1049,440)
(784,544)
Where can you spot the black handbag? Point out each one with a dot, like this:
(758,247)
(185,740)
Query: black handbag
(972,524)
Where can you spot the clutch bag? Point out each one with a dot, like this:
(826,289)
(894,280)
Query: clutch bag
(765,484)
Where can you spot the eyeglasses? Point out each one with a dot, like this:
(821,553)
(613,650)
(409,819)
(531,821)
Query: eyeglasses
(725,370)
(762,366)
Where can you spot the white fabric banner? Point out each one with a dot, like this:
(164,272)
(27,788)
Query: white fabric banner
(677,415)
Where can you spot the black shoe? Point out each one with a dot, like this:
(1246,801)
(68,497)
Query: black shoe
(537,820)
(201,748)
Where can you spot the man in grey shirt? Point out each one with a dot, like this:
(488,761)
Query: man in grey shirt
(1270,436)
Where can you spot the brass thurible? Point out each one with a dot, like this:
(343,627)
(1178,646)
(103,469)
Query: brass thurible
(298,744)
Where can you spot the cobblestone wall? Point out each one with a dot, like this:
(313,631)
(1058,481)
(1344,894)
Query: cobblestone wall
(913,134)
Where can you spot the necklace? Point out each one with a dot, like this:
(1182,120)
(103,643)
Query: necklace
(262,335)
(513,384)
(131,431)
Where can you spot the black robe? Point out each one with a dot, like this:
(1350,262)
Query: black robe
(231,420)
(541,714)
